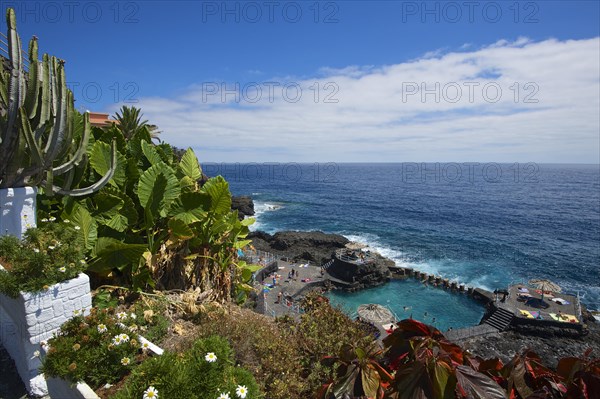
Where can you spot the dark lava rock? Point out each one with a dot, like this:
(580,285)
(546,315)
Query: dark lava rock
(361,275)
(314,246)
(549,347)
(244,205)
(318,248)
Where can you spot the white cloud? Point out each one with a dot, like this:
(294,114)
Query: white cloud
(547,110)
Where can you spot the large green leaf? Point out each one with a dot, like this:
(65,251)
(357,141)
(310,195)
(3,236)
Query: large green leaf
(248,221)
(133,172)
(88,227)
(441,377)
(111,253)
(189,165)
(157,189)
(106,204)
(190,207)
(100,157)
(150,153)
(180,230)
(127,215)
(220,197)
(370,382)
(242,243)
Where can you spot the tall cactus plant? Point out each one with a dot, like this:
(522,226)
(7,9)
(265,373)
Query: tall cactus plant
(38,123)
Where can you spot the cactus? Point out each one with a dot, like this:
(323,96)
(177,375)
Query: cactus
(37,123)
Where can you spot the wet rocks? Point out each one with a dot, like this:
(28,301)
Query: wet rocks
(244,205)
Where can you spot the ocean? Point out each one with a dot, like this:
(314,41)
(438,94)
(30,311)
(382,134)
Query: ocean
(482,224)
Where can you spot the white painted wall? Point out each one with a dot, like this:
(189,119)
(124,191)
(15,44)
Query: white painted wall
(28,320)
(17,210)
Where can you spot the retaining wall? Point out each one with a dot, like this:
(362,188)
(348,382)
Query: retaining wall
(31,318)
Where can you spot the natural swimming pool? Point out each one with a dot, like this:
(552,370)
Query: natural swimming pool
(435,306)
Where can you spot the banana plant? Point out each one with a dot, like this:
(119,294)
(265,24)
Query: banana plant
(39,125)
(153,225)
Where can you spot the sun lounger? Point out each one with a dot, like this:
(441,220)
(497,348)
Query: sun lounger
(565,318)
(526,313)
(570,318)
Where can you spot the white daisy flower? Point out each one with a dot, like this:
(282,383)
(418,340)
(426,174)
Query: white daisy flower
(145,346)
(62,269)
(133,316)
(121,315)
(77,228)
(52,219)
(37,251)
(44,220)
(241,391)
(116,340)
(67,221)
(51,247)
(125,361)
(151,393)
(124,337)
(224,396)
(210,357)
(102,328)
(133,328)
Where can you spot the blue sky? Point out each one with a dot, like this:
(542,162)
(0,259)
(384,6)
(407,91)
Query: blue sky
(501,81)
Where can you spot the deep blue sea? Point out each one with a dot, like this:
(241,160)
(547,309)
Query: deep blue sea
(483,224)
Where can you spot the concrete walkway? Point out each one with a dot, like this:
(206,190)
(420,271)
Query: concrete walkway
(289,288)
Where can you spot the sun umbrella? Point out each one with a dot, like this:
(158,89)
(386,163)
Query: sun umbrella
(375,313)
(544,285)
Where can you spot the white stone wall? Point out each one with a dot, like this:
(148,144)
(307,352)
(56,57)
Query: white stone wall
(17,210)
(28,320)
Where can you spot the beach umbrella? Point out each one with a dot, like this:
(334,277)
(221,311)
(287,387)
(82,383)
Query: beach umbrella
(375,313)
(544,285)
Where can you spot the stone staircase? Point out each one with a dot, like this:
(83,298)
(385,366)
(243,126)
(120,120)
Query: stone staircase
(500,319)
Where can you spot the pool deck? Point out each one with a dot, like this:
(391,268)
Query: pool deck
(505,310)
(567,315)
(308,277)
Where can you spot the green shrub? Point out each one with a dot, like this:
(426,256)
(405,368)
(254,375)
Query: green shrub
(88,348)
(49,254)
(285,357)
(192,375)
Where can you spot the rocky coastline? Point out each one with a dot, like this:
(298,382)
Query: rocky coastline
(244,205)
(318,248)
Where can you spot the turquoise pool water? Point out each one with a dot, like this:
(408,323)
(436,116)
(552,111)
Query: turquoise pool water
(435,306)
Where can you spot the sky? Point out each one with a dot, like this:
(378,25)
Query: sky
(339,81)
